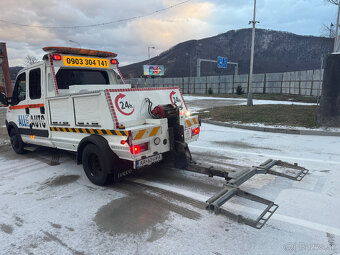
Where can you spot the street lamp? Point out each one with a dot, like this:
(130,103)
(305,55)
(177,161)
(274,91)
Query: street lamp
(150,47)
(188,54)
(250,95)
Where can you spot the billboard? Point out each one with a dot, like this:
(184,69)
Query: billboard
(153,70)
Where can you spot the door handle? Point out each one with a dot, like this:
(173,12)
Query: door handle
(42,109)
(27,110)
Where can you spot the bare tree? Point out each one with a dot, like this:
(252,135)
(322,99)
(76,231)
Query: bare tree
(30,60)
(328,31)
(336,2)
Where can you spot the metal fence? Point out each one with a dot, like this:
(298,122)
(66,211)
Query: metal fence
(306,83)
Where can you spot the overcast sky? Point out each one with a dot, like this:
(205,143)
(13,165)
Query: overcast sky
(195,19)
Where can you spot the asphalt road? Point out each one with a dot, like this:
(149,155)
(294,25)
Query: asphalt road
(46,208)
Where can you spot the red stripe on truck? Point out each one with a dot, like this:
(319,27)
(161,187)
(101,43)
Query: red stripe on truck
(17,107)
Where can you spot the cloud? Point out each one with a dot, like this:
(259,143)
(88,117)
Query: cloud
(130,39)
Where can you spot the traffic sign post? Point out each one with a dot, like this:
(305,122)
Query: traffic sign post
(222,62)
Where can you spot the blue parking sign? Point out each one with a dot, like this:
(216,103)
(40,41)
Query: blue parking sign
(222,62)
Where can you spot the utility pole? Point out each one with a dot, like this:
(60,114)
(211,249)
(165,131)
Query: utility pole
(250,95)
(336,39)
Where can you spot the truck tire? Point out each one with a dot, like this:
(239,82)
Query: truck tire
(182,155)
(97,166)
(16,142)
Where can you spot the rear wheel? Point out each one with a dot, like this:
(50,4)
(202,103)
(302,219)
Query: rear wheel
(183,157)
(97,166)
(16,142)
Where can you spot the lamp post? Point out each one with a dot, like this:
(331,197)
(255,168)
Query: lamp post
(150,47)
(331,30)
(188,54)
(250,95)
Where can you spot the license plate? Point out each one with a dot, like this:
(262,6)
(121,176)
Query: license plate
(187,133)
(86,62)
(148,161)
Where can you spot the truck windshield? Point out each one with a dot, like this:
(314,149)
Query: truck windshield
(68,77)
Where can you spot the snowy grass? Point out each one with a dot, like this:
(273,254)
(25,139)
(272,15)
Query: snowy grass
(289,115)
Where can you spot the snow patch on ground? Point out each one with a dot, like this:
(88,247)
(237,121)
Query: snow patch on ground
(244,101)
(328,129)
(40,215)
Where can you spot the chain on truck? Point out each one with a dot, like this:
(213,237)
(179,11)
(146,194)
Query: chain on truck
(77,100)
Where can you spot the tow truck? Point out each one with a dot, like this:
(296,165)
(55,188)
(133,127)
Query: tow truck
(77,100)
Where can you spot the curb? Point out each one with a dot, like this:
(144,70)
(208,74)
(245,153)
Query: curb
(273,130)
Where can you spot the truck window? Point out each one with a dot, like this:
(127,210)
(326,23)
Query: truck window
(35,83)
(67,77)
(19,92)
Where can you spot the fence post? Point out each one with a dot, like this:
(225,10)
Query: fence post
(183,84)
(312,84)
(264,83)
(299,77)
(283,75)
(289,84)
(233,84)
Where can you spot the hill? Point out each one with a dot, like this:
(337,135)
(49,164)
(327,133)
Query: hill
(275,51)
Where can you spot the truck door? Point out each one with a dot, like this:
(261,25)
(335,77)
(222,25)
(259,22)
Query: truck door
(37,111)
(18,111)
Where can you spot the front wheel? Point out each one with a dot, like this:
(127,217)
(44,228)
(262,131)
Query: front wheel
(16,142)
(97,166)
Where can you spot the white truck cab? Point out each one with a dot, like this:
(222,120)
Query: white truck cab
(77,100)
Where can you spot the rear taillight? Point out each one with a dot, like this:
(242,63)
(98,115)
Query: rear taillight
(56,57)
(195,131)
(138,148)
(114,62)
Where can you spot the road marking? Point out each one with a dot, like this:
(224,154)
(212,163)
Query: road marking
(276,216)
(267,155)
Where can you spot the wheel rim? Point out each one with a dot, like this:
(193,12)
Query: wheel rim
(95,167)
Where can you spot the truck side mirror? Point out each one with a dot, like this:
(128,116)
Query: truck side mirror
(3,99)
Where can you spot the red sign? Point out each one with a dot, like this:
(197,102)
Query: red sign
(175,99)
(123,106)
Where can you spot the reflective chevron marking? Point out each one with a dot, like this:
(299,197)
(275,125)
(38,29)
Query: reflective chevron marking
(145,133)
(90,131)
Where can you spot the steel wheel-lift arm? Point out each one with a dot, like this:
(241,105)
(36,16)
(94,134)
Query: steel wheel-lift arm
(234,180)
